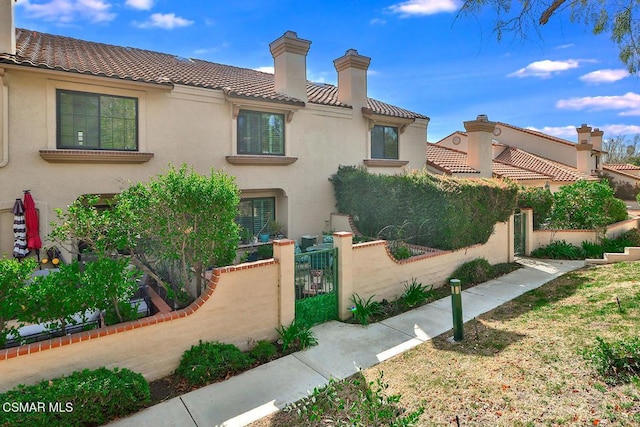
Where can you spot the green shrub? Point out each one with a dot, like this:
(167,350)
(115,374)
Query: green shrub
(476,271)
(617,362)
(400,251)
(586,205)
(296,337)
(13,275)
(364,311)
(90,398)
(415,293)
(592,250)
(263,351)
(354,402)
(211,361)
(443,212)
(559,250)
(265,251)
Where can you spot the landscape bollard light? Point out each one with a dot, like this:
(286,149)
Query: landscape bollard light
(456,308)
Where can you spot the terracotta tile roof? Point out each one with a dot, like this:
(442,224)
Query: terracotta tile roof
(448,160)
(66,54)
(621,167)
(503,170)
(557,171)
(512,163)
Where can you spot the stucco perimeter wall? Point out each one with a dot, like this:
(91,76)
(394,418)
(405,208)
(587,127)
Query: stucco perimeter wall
(376,272)
(241,304)
(538,238)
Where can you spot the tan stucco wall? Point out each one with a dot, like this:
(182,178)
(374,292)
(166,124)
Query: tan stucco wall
(375,272)
(193,126)
(242,309)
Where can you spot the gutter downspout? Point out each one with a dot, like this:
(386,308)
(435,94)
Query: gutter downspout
(4,137)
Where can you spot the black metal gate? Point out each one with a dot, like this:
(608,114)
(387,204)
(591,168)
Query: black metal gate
(519,233)
(316,286)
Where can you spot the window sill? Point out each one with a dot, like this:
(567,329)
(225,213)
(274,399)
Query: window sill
(385,163)
(94,156)
(261,160)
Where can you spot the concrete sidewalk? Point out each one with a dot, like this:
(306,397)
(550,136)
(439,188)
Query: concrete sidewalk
(342,350)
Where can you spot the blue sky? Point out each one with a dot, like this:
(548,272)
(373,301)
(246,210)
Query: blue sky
(423,56)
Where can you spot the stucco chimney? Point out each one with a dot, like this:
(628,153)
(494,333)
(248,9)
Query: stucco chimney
(596,139)
(352,79)
(290,64)
(583,150)
(479,145)
(7,27)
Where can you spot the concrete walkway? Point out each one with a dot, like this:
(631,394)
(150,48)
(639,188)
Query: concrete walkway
(343,349)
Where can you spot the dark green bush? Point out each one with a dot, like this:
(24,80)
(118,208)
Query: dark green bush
(92,398)
(211,361)
(365,310)
(586,205)
(400,251)
(476,271)
(559,250)
(618,361)
(415,293)
(296,336)
(435,211)
(264,351)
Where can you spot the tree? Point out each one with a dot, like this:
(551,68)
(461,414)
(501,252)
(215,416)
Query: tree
(619,19)
(13,275)
(586,205)
(621,148)
(172,227)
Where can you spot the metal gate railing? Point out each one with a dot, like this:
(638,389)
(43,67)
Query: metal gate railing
(519,233)
(316,286)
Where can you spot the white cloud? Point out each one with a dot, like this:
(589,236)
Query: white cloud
(629,103)
(266,69)
(166,21)
(424,7)
(377,21)
(615,130)
(545,68)
(605,76)
(140,4)
(569,132)
(67,11)
(560,131)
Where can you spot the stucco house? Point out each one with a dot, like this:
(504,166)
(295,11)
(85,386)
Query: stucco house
(528,157)
(78,117)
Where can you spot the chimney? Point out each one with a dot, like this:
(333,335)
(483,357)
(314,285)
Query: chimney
(596,139)
(290,63)
(479,145)
(7,27)
(352,79)
(583,150)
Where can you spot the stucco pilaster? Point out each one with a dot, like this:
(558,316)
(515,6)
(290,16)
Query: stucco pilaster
(283,251)
(343,240)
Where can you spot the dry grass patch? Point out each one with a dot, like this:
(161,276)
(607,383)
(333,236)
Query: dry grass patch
(523,363)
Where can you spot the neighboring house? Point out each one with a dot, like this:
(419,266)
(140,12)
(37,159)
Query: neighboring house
(528,157)
(78,117)
(625,177)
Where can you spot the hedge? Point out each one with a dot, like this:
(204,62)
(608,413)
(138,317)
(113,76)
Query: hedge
(429,210)
(86,398)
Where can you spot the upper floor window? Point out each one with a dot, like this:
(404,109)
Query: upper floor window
(260,133)
(89,121)
(384,142)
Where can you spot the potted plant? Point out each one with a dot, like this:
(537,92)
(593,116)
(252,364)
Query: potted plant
(277,229)
(246,236)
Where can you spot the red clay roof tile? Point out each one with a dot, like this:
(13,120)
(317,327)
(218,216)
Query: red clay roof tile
(66,54)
